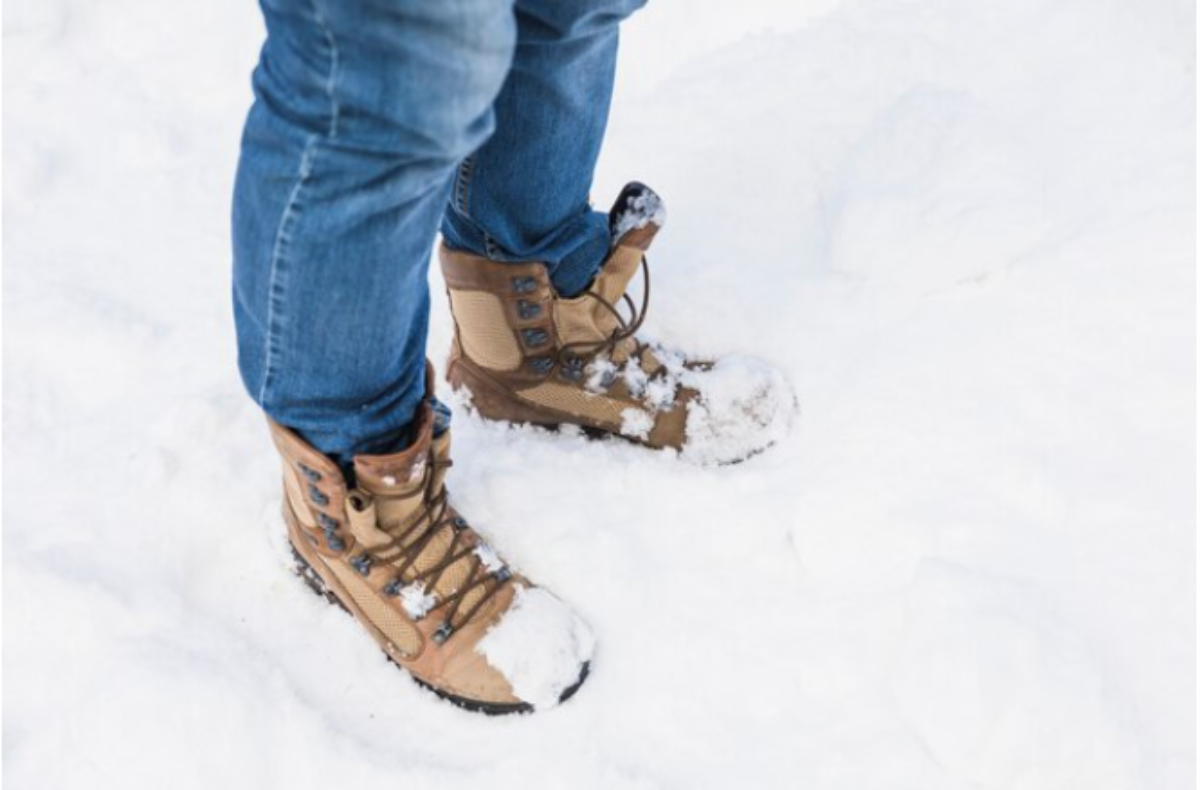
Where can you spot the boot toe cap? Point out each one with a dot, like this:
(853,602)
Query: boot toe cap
(540,647)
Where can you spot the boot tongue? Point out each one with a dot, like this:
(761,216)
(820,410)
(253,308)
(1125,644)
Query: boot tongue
(397,484)
(402,473)
(637,215)
(635,219)
(393,475)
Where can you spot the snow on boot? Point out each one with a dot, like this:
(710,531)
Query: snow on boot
(527,355)
(437,598)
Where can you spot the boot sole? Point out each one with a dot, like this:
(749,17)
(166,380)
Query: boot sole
(313,580)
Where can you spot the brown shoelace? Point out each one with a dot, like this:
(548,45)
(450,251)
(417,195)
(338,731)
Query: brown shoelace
(567,354)
(409,543)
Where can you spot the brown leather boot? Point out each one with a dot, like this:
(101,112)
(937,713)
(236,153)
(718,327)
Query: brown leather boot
(396,555)
(527,355)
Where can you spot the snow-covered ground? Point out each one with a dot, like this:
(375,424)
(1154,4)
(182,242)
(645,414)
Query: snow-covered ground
(963,228)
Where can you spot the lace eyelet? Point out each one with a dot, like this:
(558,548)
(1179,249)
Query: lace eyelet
(541,365)
(524,285)
(316,495)
(362,564)
(535,337)
(443,632)
(572,369)
(528,310)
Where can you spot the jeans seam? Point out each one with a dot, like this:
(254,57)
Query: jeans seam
(276,278)
(331,79)
(463,180)
(283,235)
(462,186)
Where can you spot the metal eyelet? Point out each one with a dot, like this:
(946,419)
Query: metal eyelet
(524,285)
(327,523)
(317,496)
(541,365)
(528,310)
(443,632)
(459,523)
(362,563)
(334,542)
(393,587)
(572,369)
(310,474)
(535,337)
(502,574)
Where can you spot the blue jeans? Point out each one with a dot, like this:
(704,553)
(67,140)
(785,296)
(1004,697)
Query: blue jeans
(376,122)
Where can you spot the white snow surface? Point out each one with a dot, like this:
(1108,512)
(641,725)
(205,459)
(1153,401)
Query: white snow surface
(742,406)
(540,645)
(962,229)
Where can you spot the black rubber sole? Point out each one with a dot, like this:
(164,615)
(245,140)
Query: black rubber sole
(318,586)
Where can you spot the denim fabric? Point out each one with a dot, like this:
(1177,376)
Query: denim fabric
(524,195)
(369,115)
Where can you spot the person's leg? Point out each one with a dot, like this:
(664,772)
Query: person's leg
(363,109)
(521,242)
(523,196)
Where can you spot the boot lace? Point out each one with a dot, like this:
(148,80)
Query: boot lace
(409,543)
(571,356)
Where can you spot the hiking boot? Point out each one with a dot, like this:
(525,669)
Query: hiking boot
(395,554)
(528,355)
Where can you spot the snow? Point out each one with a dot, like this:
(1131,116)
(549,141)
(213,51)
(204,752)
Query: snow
(742,406)
(488,556)
(540,646)
(638,212)
(962,230)
(601,372)
(637,423)
(416,601)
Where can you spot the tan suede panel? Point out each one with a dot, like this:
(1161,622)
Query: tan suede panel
(378,612)
(364,523)
(670,427)
(573,400)
(584,319)
(483,330)
(614,278)
(649,362)
(575,321)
